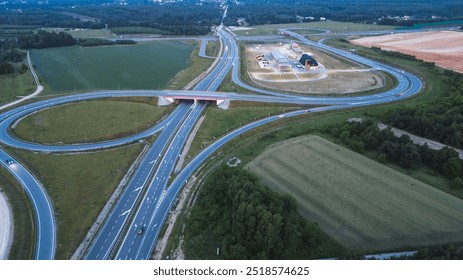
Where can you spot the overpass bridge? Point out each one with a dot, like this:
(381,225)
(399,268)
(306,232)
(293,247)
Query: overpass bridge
(222,103)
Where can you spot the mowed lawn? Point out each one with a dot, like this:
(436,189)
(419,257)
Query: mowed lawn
(360,203)
(140,66)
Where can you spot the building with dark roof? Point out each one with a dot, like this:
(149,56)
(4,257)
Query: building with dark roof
(308,61)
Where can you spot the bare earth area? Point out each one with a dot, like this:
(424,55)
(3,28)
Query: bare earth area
(445,48)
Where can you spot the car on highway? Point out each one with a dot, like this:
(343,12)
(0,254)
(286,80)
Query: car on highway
(281,116)
(9,161)
(140,230)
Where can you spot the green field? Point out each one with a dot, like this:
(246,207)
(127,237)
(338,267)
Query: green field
(334,26)
(14,85)
(360,203)
(89,121)
(141,66)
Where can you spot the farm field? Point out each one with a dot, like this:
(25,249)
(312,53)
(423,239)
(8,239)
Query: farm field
(89,121)
(445,48)
(360,203)
(140,66)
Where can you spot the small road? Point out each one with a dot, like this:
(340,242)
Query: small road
(434,145)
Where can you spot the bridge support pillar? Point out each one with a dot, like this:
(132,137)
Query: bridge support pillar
(163,101)
(223,103)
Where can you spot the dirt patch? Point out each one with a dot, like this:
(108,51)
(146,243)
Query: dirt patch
(334,82)
(445,48)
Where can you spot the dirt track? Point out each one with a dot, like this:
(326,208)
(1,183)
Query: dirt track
(445,48)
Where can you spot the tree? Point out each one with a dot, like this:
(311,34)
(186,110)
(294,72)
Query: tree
(6,68)
(452,168)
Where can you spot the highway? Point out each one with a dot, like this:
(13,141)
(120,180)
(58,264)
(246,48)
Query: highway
(131,246)
(148,196)
(114,224)
(45,246)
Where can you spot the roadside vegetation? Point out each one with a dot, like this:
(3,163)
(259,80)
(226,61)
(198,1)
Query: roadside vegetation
(218,121)
(213,48)
(196,66)
(91,121)
(79,186)
(23,222)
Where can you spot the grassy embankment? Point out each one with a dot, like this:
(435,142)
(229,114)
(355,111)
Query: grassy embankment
(196,66)
(213,48)
(23,224)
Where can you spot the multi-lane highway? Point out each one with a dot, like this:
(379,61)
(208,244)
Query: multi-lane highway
(131,229)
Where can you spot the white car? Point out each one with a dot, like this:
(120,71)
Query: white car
(281,116)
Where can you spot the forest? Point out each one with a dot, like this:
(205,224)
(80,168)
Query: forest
(172,19)
(245,220)
(259,12)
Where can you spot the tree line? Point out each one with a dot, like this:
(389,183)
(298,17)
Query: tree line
(245,220)
(366,136)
